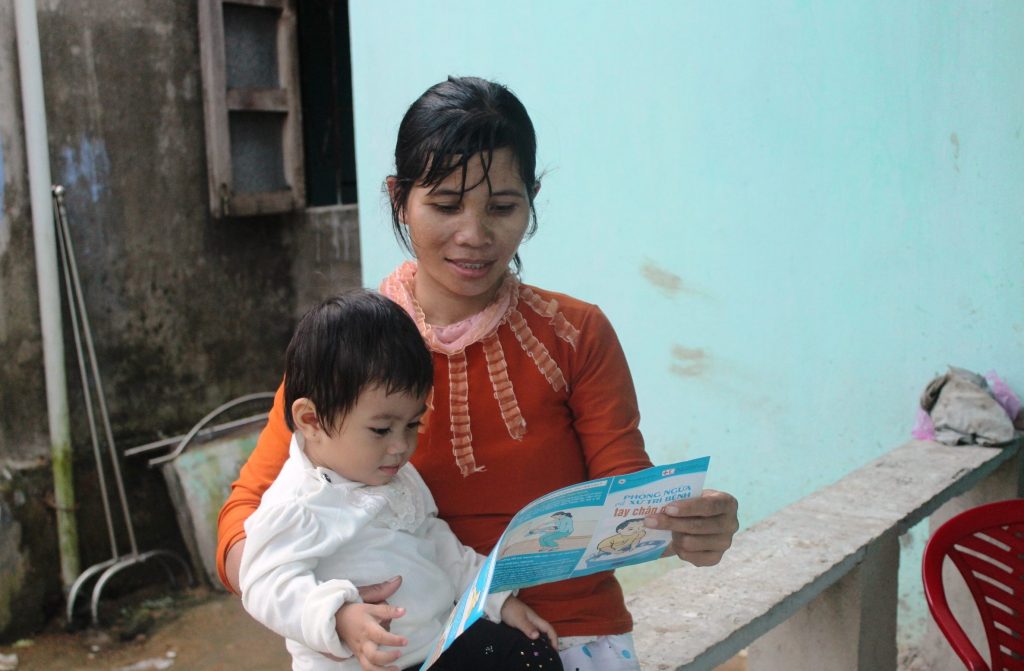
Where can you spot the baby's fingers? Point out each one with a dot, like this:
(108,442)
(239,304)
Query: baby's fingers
(545,627)
(384,614)
(372,658)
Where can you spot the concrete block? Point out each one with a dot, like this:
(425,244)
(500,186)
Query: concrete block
(850,626)
(326,255)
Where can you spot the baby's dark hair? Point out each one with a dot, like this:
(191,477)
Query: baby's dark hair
(625,524)
(352,342)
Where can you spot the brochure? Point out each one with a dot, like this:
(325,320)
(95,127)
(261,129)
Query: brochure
(574,531)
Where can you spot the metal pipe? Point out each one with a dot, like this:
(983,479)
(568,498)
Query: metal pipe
(37,151)
(77,301)
(205,434)
(66,259)
(173,454)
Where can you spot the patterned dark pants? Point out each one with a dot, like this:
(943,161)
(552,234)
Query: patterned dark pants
(487,646)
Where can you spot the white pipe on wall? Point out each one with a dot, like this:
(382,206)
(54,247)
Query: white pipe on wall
(37,150)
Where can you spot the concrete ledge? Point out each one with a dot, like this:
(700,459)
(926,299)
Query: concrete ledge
(696,619)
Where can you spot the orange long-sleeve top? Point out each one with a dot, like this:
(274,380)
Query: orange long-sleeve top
(571,416)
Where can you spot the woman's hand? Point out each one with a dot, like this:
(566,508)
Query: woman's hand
(702,528)
(379,593)
(361,627)
(517,614)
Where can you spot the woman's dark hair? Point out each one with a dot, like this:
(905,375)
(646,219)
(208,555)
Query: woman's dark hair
(348,343)
(449,124)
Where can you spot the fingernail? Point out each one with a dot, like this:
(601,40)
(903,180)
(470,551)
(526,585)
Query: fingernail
(671,510)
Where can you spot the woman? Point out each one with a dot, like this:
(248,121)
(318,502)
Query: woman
(531,388)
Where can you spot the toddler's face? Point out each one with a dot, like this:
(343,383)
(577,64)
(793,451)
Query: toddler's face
(375,439)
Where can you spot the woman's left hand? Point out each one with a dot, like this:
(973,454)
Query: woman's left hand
(702,528)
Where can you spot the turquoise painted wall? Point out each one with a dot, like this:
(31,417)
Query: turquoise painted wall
(795,213)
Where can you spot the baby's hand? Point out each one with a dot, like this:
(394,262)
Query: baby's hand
(517,614)
(359,627)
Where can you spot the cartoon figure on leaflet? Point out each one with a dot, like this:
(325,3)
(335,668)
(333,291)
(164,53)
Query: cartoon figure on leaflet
(627,536)
(474,597)
(628,539)
(559,527)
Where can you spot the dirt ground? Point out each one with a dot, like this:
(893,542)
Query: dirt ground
(196,630)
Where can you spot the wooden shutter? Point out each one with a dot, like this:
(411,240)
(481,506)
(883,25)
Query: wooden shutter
(251,104)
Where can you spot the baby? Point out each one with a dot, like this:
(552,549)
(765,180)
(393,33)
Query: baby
(348,510)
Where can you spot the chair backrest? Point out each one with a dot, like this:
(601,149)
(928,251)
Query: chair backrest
(986,544)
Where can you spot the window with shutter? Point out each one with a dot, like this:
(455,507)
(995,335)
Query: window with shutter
(251,102)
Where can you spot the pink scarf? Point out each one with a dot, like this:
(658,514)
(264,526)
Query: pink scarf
(454,338)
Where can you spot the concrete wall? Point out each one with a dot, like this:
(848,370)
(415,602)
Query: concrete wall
(183,308)
(186,312)
(795,213)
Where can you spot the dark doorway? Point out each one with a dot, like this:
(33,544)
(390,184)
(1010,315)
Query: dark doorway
(325,73)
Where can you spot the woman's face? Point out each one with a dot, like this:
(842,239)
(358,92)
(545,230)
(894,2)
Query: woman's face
(464,241)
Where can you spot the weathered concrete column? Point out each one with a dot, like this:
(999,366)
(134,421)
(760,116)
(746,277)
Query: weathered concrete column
(935,651)
(850,626)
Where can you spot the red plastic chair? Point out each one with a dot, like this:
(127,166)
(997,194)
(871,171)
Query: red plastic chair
(986,544)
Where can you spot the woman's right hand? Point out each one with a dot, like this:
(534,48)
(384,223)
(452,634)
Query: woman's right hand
(362,628)
(379,593)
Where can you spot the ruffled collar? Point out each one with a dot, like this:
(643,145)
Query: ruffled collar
(454,338)
(395,505)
